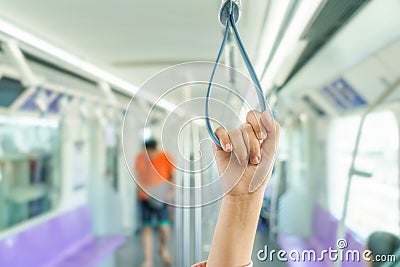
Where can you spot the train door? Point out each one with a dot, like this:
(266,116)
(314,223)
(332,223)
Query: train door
(103,179)
(299,137)
(75,158)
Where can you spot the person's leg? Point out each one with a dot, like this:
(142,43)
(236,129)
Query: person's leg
(147,240)
(147,235)
(164,234)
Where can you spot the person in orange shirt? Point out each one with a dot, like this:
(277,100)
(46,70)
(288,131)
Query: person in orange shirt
(155,171)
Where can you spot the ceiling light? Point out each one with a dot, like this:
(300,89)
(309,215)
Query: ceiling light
(298,24)
(289,63)
(58,53)
(273,25)
(28,38)
(29,121)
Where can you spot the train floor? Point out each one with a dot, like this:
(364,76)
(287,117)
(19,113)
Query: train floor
(130,254)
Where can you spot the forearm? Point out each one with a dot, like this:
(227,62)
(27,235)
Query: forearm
(235,230)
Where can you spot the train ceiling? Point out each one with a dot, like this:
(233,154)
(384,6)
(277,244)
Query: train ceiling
(133,39)
(121,36)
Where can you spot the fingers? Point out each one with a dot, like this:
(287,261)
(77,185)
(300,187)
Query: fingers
(253,118)
(272,128)
(269,131)
(267,122)
(252,143)
(268,151)
(245,142)
(255,142)
(239,146)
(224,139)
(233,141)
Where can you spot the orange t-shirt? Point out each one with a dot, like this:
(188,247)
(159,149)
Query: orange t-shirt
(154,171)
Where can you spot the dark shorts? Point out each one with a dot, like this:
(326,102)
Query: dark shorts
(150,213)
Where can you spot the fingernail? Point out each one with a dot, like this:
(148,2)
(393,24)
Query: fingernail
(256,160)
(228,147)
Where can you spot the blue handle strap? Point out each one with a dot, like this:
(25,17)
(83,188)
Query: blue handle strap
(231,22)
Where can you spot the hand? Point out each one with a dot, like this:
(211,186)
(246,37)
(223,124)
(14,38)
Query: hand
(247,155)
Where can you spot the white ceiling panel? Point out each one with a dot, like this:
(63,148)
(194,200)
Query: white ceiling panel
(133,39)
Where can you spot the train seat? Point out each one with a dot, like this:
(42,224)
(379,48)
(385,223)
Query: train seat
(65,240)
(324,227)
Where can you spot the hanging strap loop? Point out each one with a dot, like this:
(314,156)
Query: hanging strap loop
(230,21)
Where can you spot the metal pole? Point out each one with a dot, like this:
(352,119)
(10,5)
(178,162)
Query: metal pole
(273,216)
(186,202)
(197,198)
(178,220)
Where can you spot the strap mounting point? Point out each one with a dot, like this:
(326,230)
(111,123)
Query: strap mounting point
(228,7)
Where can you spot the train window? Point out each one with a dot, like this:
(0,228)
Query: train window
(10,90)
(29,160)
(373,202)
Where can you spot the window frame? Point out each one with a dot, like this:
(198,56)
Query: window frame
(55,172)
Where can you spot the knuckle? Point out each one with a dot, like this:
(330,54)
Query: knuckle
(254,150)
(251,113)
(250,116)
(220,131)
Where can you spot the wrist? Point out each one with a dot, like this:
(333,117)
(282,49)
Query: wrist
(243,210)
(247,197)
(250,197)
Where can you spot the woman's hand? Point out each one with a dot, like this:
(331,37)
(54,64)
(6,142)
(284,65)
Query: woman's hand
(248,153)
(245,163)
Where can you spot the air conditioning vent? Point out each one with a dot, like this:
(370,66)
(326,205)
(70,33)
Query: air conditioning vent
(333,16)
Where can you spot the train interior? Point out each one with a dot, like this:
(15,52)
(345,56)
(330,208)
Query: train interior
(83,83)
